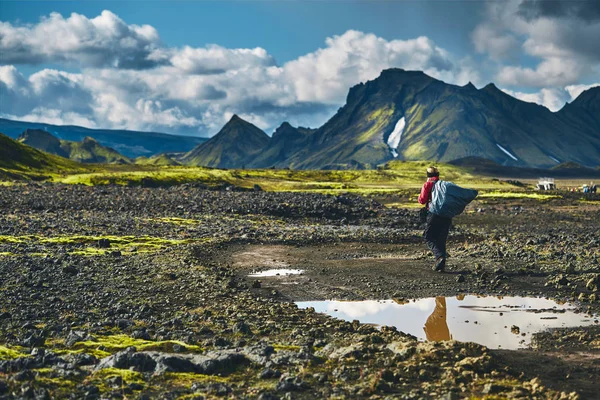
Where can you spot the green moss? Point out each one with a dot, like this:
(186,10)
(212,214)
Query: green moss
(127,375)
(114,343)
(412,204)
(279,347)
(10,353)
(143,244)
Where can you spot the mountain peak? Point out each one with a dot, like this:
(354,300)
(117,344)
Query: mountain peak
(230,147)
(589,98)
(236,118)
(470,86)
(89,139)
(491,87)
(36,133)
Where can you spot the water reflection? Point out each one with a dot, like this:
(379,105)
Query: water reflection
(276,272)
(436,327)
(480,319)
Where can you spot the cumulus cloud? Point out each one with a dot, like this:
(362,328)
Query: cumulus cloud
(562,35)
(326,74)
(216,59)
(104,41)
(498,44)
(575,90)
(552,98)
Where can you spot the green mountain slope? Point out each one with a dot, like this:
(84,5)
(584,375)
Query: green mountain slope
(86,151)
(129,143)
(445,122)
(18,160)
(235,144)
(158,160)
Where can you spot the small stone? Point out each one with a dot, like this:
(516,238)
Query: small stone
(69,269)
(515,329)
(115,381)
(269,373)
(103,244)
(460,278)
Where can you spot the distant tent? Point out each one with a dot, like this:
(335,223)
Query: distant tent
(546,184)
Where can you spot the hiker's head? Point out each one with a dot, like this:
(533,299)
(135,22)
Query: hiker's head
(432,171)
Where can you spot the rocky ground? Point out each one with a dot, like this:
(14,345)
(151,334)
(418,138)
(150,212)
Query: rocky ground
(122,292)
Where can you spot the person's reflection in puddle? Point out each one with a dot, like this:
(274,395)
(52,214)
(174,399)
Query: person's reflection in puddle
(436,328)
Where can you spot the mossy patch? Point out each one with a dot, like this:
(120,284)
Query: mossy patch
(127,375)
(85,245)
(413,204)
(114,343)
(10,353)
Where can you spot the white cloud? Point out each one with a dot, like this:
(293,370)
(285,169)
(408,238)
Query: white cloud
(558,34)
(104,41)
(552,98)
(499,45)
(326,74)
(575,90)
(216,59)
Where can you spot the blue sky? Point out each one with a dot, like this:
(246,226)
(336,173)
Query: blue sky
(187,66)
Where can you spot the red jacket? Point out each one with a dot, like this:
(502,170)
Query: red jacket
(425,195)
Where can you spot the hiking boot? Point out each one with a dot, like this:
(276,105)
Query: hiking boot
(440,264)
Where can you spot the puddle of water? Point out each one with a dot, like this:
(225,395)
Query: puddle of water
(485,320)
(276,272)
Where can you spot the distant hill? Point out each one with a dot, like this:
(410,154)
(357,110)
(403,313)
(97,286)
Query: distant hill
(18,160)
(484,167)
(158,160)
(235,144)
(86,151)
(129,143)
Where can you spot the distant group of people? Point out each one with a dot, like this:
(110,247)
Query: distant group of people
(592,188)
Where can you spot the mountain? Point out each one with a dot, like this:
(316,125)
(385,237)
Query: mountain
(410,116)
(158,160)
(285,141)
(17,160)
(485,167)
(86,151)
(236,143)
(584,112)
(129,143)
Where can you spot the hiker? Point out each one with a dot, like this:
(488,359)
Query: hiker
(437,228)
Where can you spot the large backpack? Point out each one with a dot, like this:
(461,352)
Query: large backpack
(448,200)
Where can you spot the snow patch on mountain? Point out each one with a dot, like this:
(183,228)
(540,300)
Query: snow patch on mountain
(507,152)
(395,137)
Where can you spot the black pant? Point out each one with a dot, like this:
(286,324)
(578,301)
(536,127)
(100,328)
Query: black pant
(436,234)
